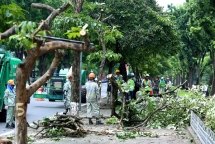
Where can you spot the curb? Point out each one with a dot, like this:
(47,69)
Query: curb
(193,135)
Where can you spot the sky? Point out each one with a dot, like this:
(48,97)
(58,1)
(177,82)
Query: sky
(164,3)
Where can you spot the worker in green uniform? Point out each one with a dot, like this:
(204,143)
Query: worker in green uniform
(9,101)
(92,97)
(131,84)
(162,85)
(67,89)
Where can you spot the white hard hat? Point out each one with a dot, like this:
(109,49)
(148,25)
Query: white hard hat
(162,77)
(147,75)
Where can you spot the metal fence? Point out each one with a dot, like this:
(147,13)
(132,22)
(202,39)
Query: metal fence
(205,134)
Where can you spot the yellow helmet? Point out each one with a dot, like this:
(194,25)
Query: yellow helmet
(11,82)
(117,71)
(92,75)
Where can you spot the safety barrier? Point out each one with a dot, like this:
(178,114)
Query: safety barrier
(205,134)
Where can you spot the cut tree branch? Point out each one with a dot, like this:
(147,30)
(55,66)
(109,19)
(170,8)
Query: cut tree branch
(161,95)
(53,45)
(42,80)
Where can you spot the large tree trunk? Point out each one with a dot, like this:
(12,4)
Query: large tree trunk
(104,50)
(42,64)
(191,76)
(110,67)
(76,73)
(22,73)
(122,69)
(213,79)
(75,77)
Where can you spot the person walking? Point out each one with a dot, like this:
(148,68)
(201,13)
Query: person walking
(67,90)
(9,101)
(162,85)
(92,97)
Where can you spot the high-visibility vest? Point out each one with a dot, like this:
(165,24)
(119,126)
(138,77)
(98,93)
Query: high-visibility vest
(162,84)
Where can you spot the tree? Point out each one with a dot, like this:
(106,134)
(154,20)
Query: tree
(36,46)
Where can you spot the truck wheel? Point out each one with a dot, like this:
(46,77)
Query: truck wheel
(51,100)
(83,95)
(3,115)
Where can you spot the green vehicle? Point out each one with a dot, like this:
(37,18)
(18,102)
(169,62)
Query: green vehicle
(8,66)
(53,90)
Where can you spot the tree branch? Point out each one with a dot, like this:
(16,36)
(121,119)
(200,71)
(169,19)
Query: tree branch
(42,6)
(8,33)
(86,46)
(54,12)
(107,18)
(53,45)
(42,80)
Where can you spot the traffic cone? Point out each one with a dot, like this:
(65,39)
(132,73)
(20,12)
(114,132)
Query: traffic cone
(39,91)
(151,92)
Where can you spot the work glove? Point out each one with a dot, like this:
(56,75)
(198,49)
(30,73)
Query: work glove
(6,107)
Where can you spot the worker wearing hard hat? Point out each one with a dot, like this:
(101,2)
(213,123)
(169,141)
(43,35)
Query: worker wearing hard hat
(9,101)
(118,75)
(92,97)
(67,89)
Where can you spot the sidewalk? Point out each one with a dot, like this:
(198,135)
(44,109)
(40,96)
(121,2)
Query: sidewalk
(108,133)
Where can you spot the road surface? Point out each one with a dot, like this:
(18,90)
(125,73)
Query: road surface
(39,109)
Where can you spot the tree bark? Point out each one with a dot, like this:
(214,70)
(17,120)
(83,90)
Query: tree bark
(104,50)
(213,79)
(76,73)
(75,76)
(122,69)
(42,64)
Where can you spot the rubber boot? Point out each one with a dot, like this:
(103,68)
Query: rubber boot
(90,122)
(9,126)
(98,122)
(65,112)
(13,125)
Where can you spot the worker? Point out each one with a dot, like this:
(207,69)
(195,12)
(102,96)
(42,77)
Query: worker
(9,101)
(67,89)
(92,97)
(118,75)
(162,85)
(131,90)
(147,84)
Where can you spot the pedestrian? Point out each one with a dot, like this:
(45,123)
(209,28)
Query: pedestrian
(162,85)
(132,85)
(92,97)
(156,85)
(9,101)
(67,90)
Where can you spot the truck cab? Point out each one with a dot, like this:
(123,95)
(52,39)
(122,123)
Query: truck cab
(8,66)
(54,88)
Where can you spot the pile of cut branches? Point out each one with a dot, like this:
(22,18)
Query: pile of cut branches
(60,125)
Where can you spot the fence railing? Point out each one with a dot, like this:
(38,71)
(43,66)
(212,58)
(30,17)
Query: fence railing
(205,134)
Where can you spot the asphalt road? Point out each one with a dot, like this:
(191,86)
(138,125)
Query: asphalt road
(39,109)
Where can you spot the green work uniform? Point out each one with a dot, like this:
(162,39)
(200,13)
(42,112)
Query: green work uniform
(92,97)
(67,88)
(10,100)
